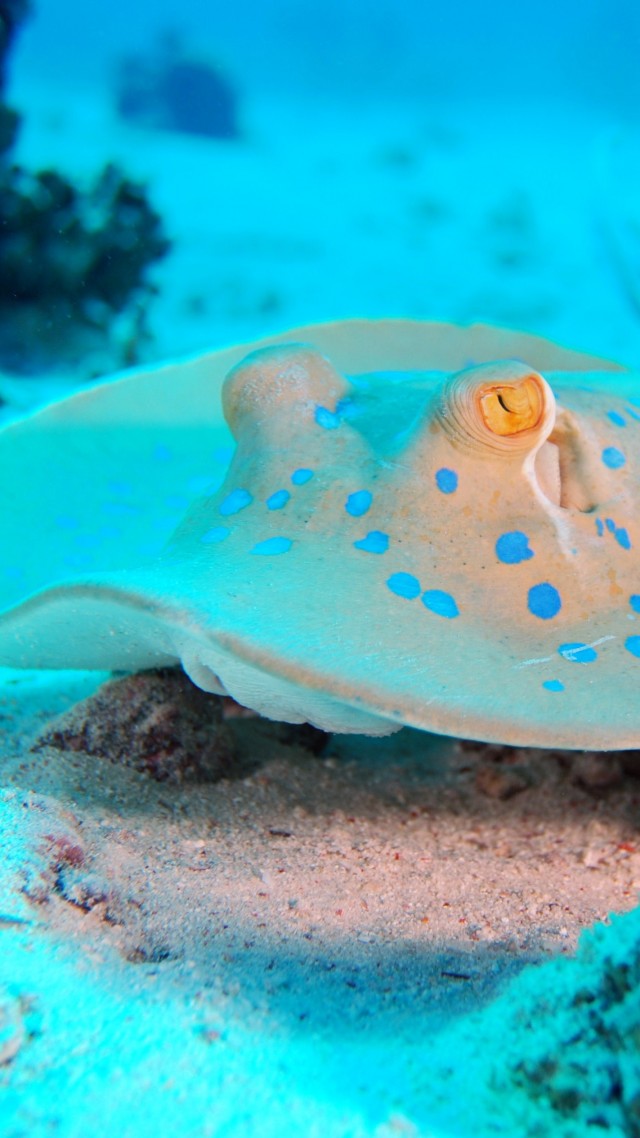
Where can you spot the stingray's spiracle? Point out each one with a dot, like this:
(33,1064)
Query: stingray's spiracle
(503,408)
(272,380)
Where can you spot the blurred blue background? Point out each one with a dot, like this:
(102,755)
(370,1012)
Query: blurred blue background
(587,49)
(456,161)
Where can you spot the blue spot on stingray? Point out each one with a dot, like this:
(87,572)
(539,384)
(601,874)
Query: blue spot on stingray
(632,644)
(613,458)
(553,685)
(326,418)
(633,414)
(218,533)
(578,653)
(619,532)
(374,542)
(299,477)
(634,601)
(544,601)
(273,545)
(513,547)
(119,487)
(358,503)
(162,453)
(442,604)
(446,480)
(404,585)
(66,521)
(616,418)
(599,526)
(278,500)
(234,502)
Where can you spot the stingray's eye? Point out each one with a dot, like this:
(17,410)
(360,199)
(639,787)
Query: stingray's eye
(510,408)
(502,407)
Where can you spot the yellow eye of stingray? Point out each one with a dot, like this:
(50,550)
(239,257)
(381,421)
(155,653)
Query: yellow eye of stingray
(508,409)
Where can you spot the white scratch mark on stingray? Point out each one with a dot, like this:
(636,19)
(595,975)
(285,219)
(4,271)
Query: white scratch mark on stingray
(601,640)
(548,659)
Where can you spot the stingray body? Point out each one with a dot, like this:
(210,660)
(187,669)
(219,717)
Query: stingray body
(421,524)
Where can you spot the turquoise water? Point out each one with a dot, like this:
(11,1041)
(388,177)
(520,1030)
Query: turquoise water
(429,51)
(456,162)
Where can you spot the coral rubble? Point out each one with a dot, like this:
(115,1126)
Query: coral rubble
(574,1030)
(156,722)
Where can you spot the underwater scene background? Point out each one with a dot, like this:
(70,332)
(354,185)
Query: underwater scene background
(467,162)
(266,929)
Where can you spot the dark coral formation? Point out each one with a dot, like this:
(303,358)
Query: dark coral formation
(12,13)
(581,1060)
(73,262)
(157,722)
(169,90)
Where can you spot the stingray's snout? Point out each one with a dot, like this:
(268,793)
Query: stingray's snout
(503,408)
(281,384)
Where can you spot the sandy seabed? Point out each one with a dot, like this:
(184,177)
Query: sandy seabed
(301,945)
(322,942)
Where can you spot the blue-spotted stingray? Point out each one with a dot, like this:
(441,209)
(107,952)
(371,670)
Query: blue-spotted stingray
(422,524)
